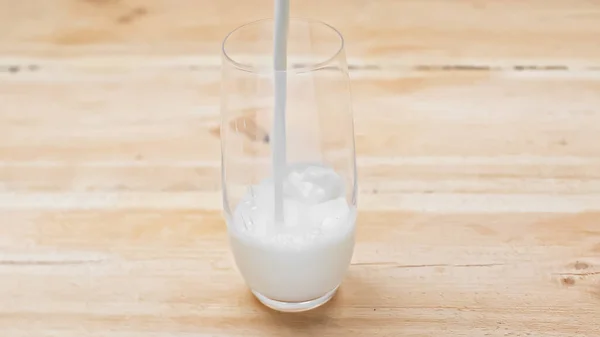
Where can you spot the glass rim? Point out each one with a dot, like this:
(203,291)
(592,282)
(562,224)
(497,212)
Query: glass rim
(307,68)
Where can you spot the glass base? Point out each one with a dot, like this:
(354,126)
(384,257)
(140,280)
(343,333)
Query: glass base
(294,306)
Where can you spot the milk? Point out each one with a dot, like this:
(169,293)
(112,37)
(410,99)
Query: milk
(278,144)
(305,256)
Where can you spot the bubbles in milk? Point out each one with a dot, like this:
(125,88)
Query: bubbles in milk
(329,214)
(314,204)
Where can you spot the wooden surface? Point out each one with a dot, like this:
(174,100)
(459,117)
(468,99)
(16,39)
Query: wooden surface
(478,130)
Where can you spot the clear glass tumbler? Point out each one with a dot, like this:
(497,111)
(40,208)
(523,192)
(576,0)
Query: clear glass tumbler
(295,263)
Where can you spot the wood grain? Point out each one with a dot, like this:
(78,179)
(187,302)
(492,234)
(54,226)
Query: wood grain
(477,128)
(539,33)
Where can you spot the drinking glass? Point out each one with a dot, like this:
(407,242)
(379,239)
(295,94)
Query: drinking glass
(298,263)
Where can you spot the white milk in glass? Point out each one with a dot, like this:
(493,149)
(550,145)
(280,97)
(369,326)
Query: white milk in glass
(307,255)
(292,234)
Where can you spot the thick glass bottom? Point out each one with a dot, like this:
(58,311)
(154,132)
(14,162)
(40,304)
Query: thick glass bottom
(294,306)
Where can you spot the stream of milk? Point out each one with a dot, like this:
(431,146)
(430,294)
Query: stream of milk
(279,143)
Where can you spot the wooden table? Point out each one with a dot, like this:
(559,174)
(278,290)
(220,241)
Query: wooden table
(478,140)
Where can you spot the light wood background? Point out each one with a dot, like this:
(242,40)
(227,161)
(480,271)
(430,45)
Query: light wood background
(478,140)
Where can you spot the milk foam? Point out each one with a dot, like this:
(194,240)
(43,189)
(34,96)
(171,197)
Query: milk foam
(314,204)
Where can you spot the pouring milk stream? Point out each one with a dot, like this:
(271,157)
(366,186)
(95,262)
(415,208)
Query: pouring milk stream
(282,19)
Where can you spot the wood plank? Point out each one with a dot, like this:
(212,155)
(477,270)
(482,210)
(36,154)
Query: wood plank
(533,114)
(416,132)
(146,273)
(410,32)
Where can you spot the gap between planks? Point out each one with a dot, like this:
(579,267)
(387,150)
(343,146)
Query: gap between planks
(16,65)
